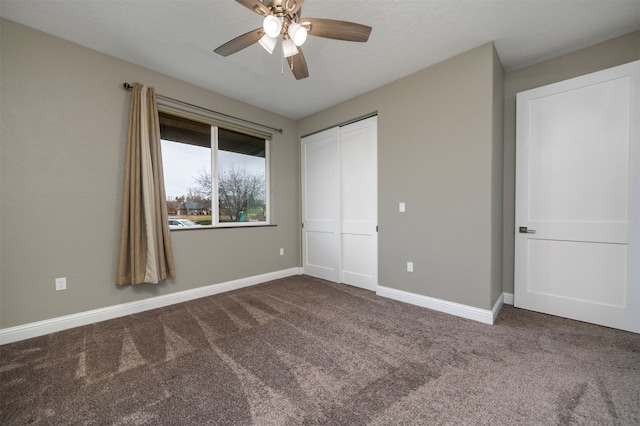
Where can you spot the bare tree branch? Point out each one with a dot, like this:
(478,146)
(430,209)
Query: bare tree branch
(238,191)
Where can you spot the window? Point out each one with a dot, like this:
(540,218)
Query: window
(214,176)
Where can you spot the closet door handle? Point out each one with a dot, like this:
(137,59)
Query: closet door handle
(525,230)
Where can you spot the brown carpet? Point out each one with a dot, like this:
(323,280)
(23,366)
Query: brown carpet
(302,351)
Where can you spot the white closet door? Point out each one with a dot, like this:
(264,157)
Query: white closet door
(340,204)
(359,202)
(321,205)
(577,201)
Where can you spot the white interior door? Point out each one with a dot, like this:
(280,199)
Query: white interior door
(321,205)
(359,203)
(340,204)
(577,202)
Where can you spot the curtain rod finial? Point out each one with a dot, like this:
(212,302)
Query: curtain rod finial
(127,86)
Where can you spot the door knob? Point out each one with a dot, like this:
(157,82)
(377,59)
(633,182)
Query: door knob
(525,230)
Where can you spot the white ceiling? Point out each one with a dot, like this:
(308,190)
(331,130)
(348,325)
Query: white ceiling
(177,38)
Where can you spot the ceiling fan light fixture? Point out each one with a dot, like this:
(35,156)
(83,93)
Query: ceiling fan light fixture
(268,42)
(289,48)
(297,33)
(272,26)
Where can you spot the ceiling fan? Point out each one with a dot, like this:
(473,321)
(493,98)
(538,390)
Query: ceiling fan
(282,17)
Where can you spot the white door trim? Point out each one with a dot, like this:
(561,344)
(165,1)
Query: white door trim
(612,235)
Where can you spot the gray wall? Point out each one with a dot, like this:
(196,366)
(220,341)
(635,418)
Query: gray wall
(614,52)
(62,152)
(63,124)
(440,152)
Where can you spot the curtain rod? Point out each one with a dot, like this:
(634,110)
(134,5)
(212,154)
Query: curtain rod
(128,86)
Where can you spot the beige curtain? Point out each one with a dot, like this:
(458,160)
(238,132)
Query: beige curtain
(145,243)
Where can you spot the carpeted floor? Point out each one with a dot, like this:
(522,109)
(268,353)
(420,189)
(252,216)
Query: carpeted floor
(303,351)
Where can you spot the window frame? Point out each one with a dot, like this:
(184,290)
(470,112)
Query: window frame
(208,117)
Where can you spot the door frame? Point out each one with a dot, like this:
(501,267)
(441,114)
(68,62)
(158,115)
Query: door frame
(328,271)
(631,70)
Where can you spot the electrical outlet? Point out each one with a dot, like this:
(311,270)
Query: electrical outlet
(281,252)
(409,266)
(402,207)
(61,283)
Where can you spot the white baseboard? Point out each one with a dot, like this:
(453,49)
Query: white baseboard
(496,308)
(508,298)
(40,328)
(470,312)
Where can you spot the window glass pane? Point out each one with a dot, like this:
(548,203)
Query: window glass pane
(242,177)
(186,160)
(187,181)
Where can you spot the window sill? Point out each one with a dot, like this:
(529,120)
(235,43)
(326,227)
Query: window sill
(200,228)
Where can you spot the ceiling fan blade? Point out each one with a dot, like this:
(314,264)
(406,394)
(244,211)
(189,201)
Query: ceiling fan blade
(256,6)
(240,42)
(298,65)
(339,30)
